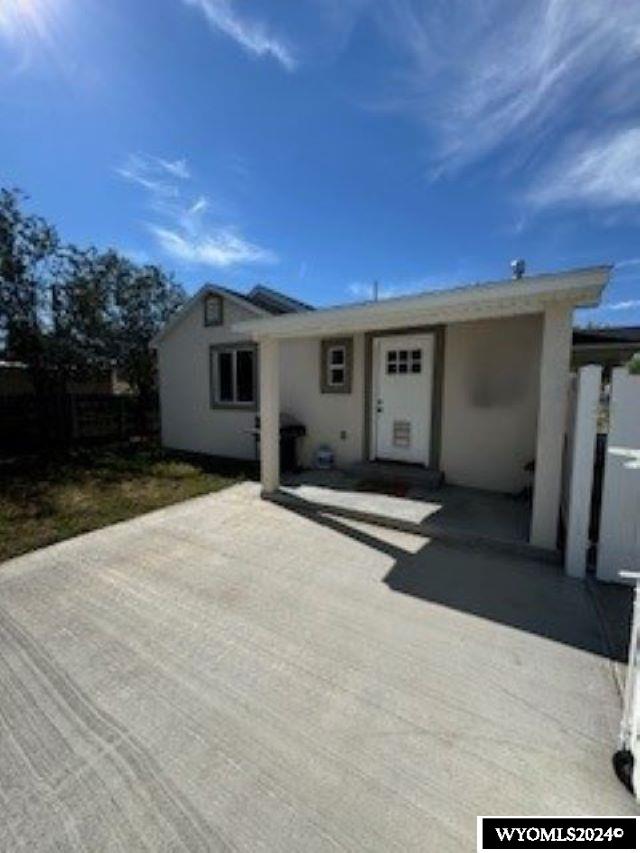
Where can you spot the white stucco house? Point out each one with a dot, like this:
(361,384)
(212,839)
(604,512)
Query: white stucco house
(470,381)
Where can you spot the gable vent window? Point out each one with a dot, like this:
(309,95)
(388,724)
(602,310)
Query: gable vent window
(336,365)
(233,376)
(213,310)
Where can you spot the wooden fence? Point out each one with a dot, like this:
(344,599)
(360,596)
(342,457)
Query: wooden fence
(28,423)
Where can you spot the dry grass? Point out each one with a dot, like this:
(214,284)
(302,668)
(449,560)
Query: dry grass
(46,500)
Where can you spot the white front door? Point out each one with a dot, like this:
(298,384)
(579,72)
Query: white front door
(402,378)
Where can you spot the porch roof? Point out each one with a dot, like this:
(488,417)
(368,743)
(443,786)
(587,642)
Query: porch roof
(527,295)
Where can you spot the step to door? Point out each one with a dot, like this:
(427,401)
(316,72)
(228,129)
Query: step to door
(397,473)
(428,529)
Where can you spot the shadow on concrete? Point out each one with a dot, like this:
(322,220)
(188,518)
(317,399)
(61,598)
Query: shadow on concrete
(448,510)
(522,593)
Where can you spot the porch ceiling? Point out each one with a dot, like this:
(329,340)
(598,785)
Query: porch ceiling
(529,295)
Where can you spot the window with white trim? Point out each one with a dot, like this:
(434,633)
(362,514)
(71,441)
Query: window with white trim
(233,376)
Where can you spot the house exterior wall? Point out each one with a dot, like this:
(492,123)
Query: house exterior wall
(327,417)
(490,402)
(489,406)
(489,398)
(187,419)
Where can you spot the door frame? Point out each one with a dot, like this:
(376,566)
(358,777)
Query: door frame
(437,385)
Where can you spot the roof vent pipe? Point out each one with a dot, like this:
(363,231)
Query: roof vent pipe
(518,268)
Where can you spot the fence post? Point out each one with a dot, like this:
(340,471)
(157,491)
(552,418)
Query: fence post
(619,542)
(581,467)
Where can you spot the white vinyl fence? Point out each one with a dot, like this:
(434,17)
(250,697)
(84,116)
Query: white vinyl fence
(619,540)
(619,544)
(618,547)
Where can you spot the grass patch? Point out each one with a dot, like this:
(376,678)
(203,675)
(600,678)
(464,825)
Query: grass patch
(46,500)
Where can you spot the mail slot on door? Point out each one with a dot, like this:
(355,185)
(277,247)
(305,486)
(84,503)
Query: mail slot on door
(402,433)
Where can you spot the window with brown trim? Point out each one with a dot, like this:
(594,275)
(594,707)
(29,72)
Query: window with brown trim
(336,365)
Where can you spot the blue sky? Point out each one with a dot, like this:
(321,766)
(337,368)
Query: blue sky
(317,145)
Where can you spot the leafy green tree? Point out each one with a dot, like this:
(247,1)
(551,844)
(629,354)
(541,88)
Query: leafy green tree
(29,258)
(634,364)
(68,312)
(82,312)
(144,298)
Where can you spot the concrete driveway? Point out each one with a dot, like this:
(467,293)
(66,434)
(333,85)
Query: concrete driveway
(225,674)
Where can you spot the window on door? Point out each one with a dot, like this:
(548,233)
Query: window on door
(404,361)
(233,376)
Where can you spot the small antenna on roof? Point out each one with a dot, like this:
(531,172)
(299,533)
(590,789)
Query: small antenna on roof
(518,268)
(375,291)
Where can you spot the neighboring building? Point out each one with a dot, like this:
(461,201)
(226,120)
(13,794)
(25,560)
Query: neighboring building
(610,346)
(469,381)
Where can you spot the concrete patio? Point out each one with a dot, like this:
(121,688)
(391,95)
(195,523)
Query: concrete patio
(229,674)
(449,513)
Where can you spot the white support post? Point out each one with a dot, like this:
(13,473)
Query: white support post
(269,416)
(582,461)
(552,411)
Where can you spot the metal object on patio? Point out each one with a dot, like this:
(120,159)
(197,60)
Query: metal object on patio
(625,759)
(290,430)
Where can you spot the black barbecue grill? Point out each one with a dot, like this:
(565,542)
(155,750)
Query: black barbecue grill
(290,430)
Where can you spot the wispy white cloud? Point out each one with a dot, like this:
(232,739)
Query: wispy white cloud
(484,73)
(176,168)
(625,305)
(154,174)
(218,247)
(627,263)
(252,35)
(150,173)
(600,172)
(182,226)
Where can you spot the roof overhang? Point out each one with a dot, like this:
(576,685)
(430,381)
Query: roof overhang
(529,295)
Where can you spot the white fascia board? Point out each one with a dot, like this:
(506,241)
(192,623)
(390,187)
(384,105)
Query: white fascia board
(205,290)
(580,288)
